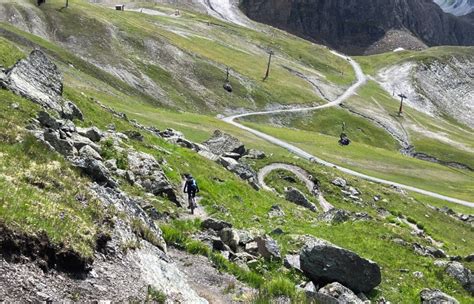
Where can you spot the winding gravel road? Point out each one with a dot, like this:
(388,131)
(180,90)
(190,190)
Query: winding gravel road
(361,79)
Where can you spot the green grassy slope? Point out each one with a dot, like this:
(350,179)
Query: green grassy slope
(182,59)
(224,195)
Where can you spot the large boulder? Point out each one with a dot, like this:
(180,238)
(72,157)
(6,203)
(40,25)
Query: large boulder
(39,80)
(325,263)
(221,143)
(93,133)
(296,196)
(461,274)
(435,296)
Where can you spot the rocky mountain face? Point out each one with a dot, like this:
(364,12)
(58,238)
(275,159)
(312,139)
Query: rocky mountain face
(363,27)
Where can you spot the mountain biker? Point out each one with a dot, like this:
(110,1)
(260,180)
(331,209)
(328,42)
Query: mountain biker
(191,188)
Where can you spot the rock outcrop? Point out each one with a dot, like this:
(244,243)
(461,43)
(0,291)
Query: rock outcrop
(296,196)
(39,80)
(435,296)
(359,27)
(325,263)
(221,143)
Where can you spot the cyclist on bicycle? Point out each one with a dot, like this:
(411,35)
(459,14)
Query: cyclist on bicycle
(191,188)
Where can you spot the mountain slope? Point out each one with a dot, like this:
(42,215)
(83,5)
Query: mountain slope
(362,27)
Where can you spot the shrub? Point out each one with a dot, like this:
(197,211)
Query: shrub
(154,295)
(197,247)
(109,151)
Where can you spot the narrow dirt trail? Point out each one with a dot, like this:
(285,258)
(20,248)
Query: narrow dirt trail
(361,80)
(301,174)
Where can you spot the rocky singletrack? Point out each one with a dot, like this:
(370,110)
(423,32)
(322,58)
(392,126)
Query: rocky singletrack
(361,80)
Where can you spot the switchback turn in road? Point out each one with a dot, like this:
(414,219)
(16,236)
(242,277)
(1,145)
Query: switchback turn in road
(361,79)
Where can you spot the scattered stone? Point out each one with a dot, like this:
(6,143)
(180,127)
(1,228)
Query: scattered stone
(15,106)
(221,143)
(219,245)
(134,135)
(71,111)
(276,211)
(340,182)
(292,261)
(310,290)
(277,231)
(255,154)
(252,248)
(337,216)
(296,196)
(245,237)
(435,296)
(339,293)
(62,146)
(324,263)
(215,224)
(268,248)
(428,251)
(93,133)
(87,152)
(230,237)
(469,258)
(418,274)
(461,274)
(170,133)
(97,171)
(48,121)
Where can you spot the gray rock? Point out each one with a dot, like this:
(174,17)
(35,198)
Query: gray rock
(228,163)
(324,263)
(461,274)
(336,216)
(276,211)
(37,79)
(340,294)
(80,141)
(149,175)
(252,248)
(71,111)
(111,164)
(469,258)
(255,154)
(92,133)
(230,237)
(97,171)
(221,143)
(134,135)
(268,248)
(219,245)
(428,251)
(340,182)
(170,133)
(296,196)
(245,237)
(62,146)
(435,296)
(88,152)
(310,290)
(292,261)
(215,224)
(46,120)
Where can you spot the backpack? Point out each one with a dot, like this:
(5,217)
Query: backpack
(192,184)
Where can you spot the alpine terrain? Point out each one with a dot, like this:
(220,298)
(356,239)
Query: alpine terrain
(221,151)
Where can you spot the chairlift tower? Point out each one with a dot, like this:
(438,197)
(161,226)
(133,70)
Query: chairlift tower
(402,97)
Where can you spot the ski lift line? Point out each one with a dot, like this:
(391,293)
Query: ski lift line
(361,79)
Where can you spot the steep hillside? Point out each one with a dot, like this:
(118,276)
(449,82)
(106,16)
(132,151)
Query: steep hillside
(180,61)
(102,113)
(364,27)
